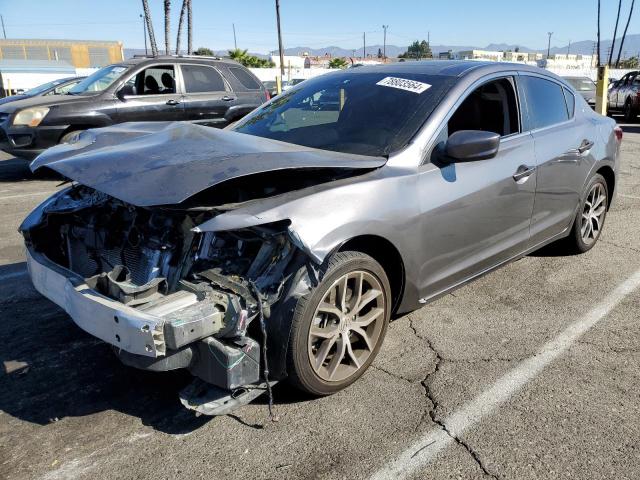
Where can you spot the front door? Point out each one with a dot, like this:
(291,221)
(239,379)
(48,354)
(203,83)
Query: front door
(151,95)
(478,213)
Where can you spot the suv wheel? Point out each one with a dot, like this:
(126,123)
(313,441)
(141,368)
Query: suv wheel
(339,326)
(629,113)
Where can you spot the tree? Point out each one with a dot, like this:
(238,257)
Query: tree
(418,50)
(183,12)
(147,19)
(167,25)
(598,48)
(203,51)
(338,63)
(379,53)
(189,30)
(241,56)
(615,32)
(238,55)
(624,34)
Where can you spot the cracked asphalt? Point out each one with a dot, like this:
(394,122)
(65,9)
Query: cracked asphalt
(69,410)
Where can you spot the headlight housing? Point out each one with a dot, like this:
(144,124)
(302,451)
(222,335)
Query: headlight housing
(30,116)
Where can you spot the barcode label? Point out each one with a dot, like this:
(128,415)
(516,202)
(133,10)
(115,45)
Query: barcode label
(404,84)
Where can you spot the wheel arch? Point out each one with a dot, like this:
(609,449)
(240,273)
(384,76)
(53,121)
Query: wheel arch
(387,255)
(610,177)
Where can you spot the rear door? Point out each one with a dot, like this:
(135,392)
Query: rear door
(563,141)
(207,96)
(150,95)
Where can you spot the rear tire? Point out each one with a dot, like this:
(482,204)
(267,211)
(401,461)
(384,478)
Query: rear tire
(591,215)
(338,328)
(629,113)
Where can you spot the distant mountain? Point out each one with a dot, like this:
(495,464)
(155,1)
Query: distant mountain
(584,47)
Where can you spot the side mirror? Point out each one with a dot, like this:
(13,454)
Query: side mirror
(125,91)
(471,145)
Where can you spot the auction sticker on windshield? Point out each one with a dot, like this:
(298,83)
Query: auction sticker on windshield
(404,84)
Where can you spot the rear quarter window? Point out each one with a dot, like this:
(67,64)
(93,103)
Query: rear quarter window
(245,78)
(546,102)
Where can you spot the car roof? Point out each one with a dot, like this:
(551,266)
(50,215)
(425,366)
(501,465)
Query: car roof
(177,59)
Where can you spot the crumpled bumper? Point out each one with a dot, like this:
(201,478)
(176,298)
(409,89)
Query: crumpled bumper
(113,322)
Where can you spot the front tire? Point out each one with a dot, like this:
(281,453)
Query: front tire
(591,215)
(338,328)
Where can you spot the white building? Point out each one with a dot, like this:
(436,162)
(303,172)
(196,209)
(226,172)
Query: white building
(480,55)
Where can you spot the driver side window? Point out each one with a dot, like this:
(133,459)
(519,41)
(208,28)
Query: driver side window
(492,107)
(156,80)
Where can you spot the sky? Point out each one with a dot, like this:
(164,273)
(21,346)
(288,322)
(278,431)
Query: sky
(320,23)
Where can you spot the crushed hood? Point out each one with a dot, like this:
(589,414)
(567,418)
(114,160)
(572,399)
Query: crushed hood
(165,163)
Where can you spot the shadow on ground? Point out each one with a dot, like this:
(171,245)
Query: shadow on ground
(51,369)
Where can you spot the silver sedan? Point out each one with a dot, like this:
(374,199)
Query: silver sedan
(280,248)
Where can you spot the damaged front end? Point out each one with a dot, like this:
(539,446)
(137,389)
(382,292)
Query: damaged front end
(165,295)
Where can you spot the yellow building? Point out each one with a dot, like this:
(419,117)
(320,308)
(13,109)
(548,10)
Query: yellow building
(79,53)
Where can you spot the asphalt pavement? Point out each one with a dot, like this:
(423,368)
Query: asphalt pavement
(530,372)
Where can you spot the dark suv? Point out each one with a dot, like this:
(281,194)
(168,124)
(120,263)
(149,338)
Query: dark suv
(624,96)
(204,90)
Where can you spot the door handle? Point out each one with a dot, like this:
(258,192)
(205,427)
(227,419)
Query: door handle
(585,146)
(227,98)
(172,102)
(523,172)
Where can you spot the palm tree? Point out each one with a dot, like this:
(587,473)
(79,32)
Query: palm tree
(598,48)
(239,55)
(624,34)
(615,32)
(189,30)
(183,11)
(147,18)
(167,20)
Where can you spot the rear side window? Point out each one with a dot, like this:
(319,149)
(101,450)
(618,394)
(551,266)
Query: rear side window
(245,78)
(200,78)
(545,102)
(571,102)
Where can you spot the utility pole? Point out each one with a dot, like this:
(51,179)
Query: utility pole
(4,32)
(364,44)
(384,43)
(549,44)
(280,40)
(569,48)
(144,30)
(235,43)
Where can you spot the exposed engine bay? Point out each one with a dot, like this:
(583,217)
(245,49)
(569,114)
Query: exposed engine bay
(207,288)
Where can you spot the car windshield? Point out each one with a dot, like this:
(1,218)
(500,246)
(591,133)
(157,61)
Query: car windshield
(43,88)
(99,80)
(582,84)
(366,113)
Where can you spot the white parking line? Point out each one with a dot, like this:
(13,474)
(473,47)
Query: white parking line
(25,195)
(423,451)
(10,275)
(629,196)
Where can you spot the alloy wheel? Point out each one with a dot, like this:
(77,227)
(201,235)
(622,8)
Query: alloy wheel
(346,326)
(593,212)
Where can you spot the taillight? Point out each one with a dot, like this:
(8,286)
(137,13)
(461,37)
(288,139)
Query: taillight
(618,132)
(266,92)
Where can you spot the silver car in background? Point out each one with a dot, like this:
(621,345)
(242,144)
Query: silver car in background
(280,248)
(585,87)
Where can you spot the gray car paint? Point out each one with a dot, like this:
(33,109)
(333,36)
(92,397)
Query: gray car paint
(448,223)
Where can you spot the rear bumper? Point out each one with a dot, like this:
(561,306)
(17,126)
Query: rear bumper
(121,326)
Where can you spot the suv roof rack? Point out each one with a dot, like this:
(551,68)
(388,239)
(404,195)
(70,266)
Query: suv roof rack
(178,56)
